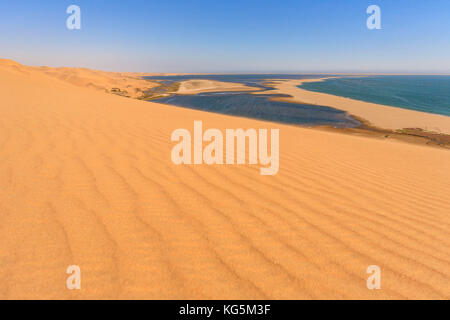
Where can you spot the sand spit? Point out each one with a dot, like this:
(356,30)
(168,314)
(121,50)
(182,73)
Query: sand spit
(381,116)
(86,179)
(200,86)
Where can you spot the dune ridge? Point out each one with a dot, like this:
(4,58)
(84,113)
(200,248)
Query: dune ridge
(86,179)
(129,84)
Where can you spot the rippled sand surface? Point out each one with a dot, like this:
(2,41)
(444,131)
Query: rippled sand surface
(86,179)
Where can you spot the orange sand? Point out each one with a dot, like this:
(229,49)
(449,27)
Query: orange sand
(86,179)
(130,84)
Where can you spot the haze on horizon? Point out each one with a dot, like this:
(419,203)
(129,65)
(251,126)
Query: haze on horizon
(230,37)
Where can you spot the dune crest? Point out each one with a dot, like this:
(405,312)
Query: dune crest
(120,83)
(87,180)
(9,63)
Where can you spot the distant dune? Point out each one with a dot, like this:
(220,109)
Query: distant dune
(122,83)
(86,179)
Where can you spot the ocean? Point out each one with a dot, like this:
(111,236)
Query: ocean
(422,93)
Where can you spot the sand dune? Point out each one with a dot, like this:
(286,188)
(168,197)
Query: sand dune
(199,86)
(86,179)
(122,83)
(381,116)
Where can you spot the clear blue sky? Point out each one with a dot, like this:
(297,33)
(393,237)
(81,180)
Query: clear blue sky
(229,36)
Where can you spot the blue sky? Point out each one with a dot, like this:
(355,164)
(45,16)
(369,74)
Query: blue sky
(229,36)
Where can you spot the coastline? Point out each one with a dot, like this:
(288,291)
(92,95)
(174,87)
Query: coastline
(377,115)
(415,134)
(132,85)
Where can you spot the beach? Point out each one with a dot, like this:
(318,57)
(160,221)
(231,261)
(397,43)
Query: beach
(87,179)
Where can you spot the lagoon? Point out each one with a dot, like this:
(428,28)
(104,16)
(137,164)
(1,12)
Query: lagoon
(259,106)
(256,106)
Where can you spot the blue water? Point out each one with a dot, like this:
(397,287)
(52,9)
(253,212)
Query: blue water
(422,93)
(256,106)
(261,107)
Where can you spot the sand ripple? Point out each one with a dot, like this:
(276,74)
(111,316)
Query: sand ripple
(86,179)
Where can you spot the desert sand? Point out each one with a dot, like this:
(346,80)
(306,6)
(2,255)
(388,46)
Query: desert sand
(128,84)
(381,116)
(200,86)
(86,179)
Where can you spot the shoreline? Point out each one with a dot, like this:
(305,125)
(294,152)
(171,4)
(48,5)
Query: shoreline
(416,135)
(131,85)
(412,136)
(376,115)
